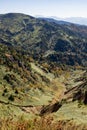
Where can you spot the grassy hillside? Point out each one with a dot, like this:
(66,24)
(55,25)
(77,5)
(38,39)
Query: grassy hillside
(43,74)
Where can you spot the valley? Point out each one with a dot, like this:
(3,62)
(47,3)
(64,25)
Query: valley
(43,74)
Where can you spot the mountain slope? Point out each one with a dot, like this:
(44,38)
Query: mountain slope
(41,77)
(48,41)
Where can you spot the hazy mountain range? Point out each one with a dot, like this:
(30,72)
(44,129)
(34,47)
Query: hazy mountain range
(75,20)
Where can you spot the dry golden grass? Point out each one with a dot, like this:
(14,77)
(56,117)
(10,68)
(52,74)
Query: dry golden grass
(45,123)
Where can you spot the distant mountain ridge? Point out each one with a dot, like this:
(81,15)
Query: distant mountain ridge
(73,20)
(77,20)
(61,22)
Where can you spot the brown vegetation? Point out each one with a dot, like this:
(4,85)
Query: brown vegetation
(45,123)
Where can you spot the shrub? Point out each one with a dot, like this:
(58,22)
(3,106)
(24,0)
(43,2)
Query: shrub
(11,98)
(5,90)
(16,91)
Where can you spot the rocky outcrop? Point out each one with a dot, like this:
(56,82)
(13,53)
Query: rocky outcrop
(50,108)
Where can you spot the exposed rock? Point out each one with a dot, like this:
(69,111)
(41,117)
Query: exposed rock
(50,108)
